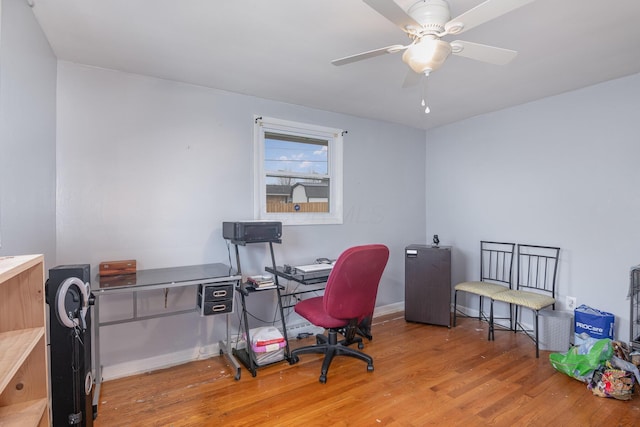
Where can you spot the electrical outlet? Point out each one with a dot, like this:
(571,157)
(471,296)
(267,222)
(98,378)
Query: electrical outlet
(571,303)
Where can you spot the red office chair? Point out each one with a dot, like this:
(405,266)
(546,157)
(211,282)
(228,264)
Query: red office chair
(349,297)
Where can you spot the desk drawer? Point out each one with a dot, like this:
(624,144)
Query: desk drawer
(217,291)
(215,298)
(207,308)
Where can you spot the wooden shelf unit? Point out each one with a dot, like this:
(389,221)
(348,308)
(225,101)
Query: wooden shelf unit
(24,373)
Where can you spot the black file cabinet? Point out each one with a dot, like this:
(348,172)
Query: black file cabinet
(215,298)
(427,286)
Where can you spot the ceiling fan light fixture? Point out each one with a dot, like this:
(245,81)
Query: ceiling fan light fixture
(427,55)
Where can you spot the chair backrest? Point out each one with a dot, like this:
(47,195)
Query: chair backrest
(496,262)
(352,286)
(538,268)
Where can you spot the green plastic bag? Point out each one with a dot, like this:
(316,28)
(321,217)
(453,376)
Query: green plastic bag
(581,362)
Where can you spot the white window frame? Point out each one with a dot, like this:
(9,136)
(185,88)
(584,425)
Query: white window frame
(335,171)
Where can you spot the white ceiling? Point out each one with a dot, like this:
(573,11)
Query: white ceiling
(281,50)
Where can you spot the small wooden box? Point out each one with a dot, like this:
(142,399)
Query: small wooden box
(115,268)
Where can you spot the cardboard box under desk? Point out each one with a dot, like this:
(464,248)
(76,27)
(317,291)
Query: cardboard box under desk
(115,268)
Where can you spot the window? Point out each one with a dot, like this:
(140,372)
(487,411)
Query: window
(298,172)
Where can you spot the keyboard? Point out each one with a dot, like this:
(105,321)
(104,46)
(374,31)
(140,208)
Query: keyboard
(312,268)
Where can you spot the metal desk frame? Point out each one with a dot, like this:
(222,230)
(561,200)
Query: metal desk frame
(148,280)
(246,355)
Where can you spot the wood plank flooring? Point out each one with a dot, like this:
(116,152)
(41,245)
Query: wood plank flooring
(424,375)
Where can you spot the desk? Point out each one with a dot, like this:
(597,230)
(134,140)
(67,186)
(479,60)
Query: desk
(313,278)
(311,282)
(147,280)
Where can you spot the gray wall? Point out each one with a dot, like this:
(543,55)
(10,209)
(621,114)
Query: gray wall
(560,171)
(27,135)
(149,169)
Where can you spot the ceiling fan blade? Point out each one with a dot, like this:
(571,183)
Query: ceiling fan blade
(369,54)
(393,12)
(482,13)
(411,79)
(482,52)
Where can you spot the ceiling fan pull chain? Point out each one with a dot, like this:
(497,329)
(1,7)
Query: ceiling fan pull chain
(427,110)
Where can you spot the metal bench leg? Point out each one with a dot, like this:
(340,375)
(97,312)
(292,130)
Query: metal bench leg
(491,335)
(536,332)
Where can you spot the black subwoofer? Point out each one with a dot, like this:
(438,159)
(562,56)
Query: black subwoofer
(69,299)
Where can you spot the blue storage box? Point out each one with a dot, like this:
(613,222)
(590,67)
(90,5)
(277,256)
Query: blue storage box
(591,322)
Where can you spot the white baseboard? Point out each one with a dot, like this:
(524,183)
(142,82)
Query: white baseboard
(162,361)
(388,309)
(167,360)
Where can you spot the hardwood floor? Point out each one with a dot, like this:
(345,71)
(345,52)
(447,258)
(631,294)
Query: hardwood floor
(424,375)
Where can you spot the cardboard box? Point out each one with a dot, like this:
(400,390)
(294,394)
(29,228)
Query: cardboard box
(591,322)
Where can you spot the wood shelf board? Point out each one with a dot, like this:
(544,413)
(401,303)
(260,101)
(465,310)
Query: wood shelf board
(15,348)
(11,266)
(22,293)
(23,414)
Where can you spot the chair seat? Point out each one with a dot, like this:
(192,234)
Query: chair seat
(485,289)
(531,300)
(312,309)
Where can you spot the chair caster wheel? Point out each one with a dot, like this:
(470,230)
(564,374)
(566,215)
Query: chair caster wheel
(293,360)
(369,368)
(360,345)
(323,379)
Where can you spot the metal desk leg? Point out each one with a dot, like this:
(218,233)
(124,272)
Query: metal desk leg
(96,366)
(225,348)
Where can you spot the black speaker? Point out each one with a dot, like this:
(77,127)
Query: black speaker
(69,299)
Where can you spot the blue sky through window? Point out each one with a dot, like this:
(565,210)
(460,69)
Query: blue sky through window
(295,157)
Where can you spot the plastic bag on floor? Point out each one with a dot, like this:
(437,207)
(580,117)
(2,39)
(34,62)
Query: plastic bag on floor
(611,382)
(582,361)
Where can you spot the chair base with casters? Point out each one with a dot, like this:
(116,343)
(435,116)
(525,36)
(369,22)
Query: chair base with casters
(364,328)
(331,347)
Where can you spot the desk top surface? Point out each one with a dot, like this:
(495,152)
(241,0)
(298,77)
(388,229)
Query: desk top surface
(311,278)
(172,276)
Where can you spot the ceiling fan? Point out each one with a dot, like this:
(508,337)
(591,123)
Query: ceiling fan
(426,22)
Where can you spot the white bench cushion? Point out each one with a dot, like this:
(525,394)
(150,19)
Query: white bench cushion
(532,300)
(485,289)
